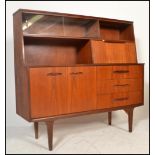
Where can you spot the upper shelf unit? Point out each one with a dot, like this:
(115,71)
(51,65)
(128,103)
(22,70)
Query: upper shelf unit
(59,26)
(45,25)
(56,39)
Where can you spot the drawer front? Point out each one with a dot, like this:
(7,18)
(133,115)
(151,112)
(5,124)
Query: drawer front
(119,72)
(119,85)
(122,99)
(134,71)
(119,99)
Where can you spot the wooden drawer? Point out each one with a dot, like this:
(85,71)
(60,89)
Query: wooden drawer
(134,71)
(117,72)
(119,99)
(119,85)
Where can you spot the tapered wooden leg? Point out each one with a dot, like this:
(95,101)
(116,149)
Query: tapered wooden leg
(109,117)
(129,111)
(50,134)
(130,119)
(36,129)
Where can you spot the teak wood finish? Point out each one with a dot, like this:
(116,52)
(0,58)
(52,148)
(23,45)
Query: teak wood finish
(69,65)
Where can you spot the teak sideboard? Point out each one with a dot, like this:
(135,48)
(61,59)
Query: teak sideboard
(69,65)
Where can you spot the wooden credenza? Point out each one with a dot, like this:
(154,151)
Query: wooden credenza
(70,65)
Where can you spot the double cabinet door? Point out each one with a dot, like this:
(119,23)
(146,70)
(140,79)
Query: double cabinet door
(62,90)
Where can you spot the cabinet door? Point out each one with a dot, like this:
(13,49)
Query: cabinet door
(48,88)
(82,88)
(106,52)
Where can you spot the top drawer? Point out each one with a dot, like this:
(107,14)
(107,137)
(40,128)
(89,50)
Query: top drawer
(116,72)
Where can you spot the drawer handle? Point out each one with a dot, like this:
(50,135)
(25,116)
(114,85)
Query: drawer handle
(121,85)
(75,73)
(120,99)
(54,74)
(121,71)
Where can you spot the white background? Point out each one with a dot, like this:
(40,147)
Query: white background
(2,77)
(134,11)
(138,12)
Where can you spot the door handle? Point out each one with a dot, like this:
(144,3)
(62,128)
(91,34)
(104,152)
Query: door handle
(76,73)
(121,71)
(54,74)
(121,85)
(120,99)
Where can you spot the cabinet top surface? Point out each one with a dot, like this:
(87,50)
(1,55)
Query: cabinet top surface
(71,15)
(102,64)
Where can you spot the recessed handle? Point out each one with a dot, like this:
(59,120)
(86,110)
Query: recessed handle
(120,99)
(121,85)
(115,41)
(54,74)
(76,73)
(121,71)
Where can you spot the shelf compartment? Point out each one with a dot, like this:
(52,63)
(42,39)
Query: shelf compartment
(116,31)
(77,27)
(56,52)
(42,24)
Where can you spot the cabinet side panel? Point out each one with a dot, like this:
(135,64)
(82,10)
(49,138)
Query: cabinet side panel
(21,76)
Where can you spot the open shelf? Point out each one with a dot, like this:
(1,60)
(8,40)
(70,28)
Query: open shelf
(56,51)
(116,31)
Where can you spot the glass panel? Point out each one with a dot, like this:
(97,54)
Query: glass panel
(42,24)
(78,27)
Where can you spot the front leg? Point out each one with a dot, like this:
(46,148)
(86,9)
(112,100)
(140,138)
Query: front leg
(129,112)
(109,117)
(49,125)
(36,129)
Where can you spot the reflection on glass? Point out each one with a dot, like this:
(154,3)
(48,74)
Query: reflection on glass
(32,20)
(81,27)
(42,24)
(59,26)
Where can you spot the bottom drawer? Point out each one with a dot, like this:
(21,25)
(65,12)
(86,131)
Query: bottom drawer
(119,99)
